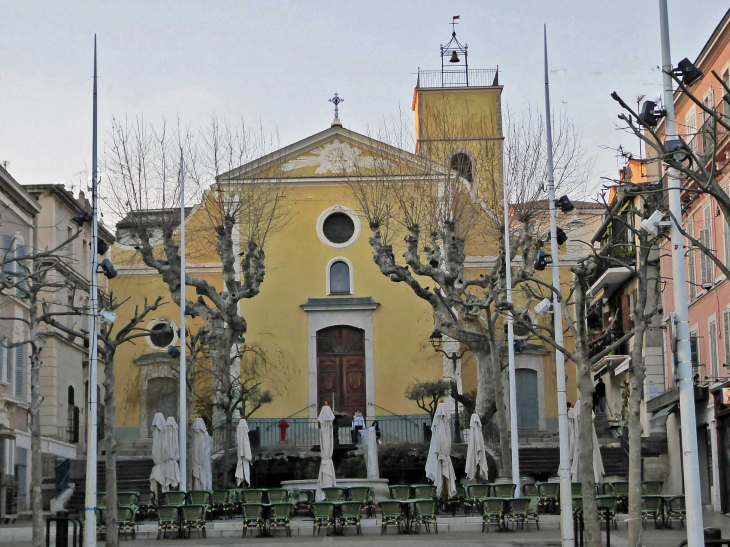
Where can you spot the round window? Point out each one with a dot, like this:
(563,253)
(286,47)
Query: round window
(162,334)
(338,228)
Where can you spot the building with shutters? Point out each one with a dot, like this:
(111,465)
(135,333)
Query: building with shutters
(708,289)
(42,214)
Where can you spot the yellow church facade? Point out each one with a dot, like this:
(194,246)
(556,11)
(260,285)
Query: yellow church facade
(333,327)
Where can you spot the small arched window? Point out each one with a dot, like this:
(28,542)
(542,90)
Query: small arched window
(461,163)
(339,277)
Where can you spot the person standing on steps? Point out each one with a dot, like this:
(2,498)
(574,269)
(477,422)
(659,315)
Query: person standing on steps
(358,423)
(600,394)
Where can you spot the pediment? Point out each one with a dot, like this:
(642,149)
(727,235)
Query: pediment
(335,153)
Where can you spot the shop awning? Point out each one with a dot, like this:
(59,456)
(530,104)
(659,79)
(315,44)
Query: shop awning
(611,363)
(608,283)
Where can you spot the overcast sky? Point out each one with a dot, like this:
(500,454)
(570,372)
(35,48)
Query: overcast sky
(278,62)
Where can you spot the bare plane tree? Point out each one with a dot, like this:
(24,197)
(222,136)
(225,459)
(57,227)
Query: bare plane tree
(238,211)
(443,211)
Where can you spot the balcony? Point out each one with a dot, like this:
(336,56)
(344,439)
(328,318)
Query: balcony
(458,78)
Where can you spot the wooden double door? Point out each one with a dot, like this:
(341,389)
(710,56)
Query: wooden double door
(341,369)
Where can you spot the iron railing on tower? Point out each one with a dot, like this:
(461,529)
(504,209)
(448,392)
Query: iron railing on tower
(458,77)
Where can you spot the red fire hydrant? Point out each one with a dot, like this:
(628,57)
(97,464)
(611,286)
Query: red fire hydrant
(283,426)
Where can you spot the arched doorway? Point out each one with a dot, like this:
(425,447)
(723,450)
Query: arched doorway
(341,368)
(161,393)
(528,412)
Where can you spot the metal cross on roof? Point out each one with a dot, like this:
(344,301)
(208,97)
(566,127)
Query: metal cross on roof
(336,100)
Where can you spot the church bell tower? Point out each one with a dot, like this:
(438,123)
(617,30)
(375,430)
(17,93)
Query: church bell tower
(458,113)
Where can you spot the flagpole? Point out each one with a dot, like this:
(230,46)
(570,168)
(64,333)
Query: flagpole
(514,439)
(183,371)
(90,505)
(566,501)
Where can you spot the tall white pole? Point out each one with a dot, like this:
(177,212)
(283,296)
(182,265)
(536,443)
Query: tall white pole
(693,499)
(90,509)
(183,368)
(566,501)
(514,439)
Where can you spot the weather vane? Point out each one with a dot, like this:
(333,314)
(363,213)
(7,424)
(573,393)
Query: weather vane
(336,100)
(453,24)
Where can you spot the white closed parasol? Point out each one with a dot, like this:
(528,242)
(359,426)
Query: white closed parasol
(201,455)
(326,476)
(243,449)
(369,439)
(476,455)
(157,477)
(439,468)
(171,454)
(598,470)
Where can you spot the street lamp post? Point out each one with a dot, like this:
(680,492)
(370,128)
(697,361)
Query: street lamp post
(437,343)
(684,351)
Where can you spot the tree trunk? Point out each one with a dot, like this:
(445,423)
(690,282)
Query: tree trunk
(636,393)
(502,416)
(490,396)
(36,473)
(226,450)
(110,445)
(585,456)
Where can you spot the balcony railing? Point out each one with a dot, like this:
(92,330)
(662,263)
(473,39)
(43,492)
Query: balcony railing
(304,432)
(482,77)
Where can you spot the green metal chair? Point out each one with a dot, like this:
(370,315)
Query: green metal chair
(651,487)
(221,503)
(254,495)
(101,499)
(399,491)
(492,513)
(303,499)
(253,517)
(425,513)
(549,493)
(350,516)
(199,497)
(363,495)
(127,519)
(604,503)
(147,506)
(424,492)
(168,518)
(517,512)
(193,518)
(391,515)
(472,494)
(576,488)
(504,490)
(651,508)
(532,510)
(676,510)
(333,493)
(101,520)
(173,498)
(128,498)
(278,495)
(621,491)
(324,515)
(529,490)
(279,517)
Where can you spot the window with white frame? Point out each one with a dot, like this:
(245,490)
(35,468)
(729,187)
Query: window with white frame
(691,268)
(12,247)
(714,366)
(706,266)
(726,334)
(340,276)
(707,130)
(694,345)
(690,130)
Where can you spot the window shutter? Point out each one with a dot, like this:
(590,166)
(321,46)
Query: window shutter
(7,244)
(692,277)
(19,371)
(21,267)
(3,360)
(726,230)
(726,334)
